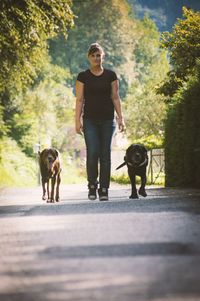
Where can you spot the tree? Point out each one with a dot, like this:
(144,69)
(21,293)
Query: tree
(182,143)
(183,45)
(145,111)
(182,135)
(25,25)
(110,23)
(46,111)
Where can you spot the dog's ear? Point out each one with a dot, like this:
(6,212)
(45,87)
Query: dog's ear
(145,151)
(56,152)
(143,148)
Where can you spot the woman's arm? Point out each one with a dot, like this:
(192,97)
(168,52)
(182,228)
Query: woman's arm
(117,105)
(79,106)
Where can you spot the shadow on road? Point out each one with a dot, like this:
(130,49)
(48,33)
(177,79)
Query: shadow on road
(27,202)
(158,200)
(121,250)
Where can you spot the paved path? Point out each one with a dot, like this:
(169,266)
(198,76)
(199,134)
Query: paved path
(80,250)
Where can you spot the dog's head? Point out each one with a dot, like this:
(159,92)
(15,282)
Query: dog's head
(136,155)
(48,156)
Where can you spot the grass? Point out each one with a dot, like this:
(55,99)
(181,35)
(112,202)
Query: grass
(72,173)
(17,170)
(124,179)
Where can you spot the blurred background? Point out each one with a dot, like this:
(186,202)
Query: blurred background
(154,47)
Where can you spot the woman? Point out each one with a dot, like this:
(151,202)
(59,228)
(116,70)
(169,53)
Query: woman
(96,99)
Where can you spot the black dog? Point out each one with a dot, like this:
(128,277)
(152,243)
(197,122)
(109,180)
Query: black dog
(50,169)
(136,159)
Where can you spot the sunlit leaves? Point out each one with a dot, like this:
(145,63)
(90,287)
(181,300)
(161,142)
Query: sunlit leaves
(46,109)
(108,22)
(183,45)
(144,110)
(24,28)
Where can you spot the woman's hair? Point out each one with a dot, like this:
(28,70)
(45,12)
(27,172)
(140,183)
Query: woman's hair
(95,47)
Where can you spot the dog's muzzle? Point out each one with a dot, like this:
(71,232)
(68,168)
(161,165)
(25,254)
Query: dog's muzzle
(50,161)
(136,158)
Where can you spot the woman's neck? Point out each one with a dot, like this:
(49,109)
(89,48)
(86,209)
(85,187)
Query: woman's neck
(97,70)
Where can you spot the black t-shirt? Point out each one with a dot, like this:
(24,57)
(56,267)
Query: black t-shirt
(98,103)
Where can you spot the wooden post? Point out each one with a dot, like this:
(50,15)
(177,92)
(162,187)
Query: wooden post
(151,165)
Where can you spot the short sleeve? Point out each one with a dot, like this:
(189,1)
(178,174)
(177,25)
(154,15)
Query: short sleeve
(81,77)
(113,76)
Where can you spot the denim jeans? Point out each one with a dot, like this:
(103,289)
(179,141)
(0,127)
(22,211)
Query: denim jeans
(98,137)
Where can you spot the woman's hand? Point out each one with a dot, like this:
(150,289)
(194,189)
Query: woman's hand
(121,124)
(79,107)
(79,127)
(117,105)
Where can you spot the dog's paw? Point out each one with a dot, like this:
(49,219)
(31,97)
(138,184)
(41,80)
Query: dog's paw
(50,201)
(133,196)
(142,192)
(44,198)
(57,199)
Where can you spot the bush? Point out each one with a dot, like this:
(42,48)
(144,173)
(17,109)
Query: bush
(182,139)
(15,168)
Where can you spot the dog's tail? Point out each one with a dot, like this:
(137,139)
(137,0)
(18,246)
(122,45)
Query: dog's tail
(121,165)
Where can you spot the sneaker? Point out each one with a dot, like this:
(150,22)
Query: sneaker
(103,194)
(92,194)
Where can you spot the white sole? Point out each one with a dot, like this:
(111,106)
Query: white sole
(103,199)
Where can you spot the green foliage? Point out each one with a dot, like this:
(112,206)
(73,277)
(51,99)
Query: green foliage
(36,97)
(125,180)
(182,142)
(132,49)
(72,173)
(109,22)
(25,26)
(147,52)
(121,179)
(3,127)
(183,136)
(152,141)
(183,45)
(47,111)
(144,113)
(15,168)
(144,109)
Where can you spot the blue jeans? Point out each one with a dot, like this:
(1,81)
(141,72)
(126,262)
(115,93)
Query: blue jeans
(98,137)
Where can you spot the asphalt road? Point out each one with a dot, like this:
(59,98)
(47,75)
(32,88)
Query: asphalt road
(80,250)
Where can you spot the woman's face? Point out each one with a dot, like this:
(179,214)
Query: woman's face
(96,58)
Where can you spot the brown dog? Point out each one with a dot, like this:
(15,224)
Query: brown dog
(50,169)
